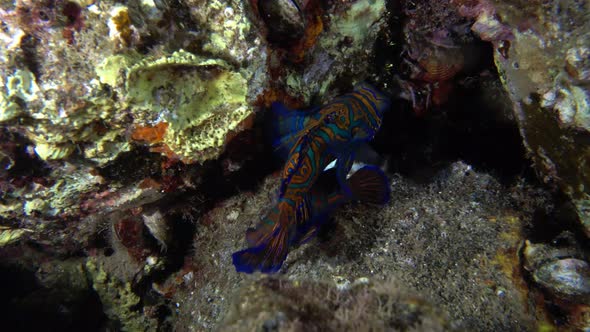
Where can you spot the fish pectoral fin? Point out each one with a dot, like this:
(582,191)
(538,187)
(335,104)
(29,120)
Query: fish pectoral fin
(308,235)
(307,231)
(303,210)
(370,185)
(282,146)
(362,136)
(257,236)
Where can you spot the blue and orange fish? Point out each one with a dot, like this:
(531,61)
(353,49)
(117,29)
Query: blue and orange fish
(310,141)
(368,184)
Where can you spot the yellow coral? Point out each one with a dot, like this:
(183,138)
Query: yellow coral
(19,87)
(201,100)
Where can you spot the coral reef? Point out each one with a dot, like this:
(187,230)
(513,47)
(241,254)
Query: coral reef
(85,115)
(8,235)
(201,101)
(134,155)
(86,84)
(340,52)
(66,109)
(228,31)
(434,244)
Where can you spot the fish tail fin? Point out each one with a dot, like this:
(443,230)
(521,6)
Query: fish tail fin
(258,235)
(264,230)
(266,258)
(270,243)
(369,184)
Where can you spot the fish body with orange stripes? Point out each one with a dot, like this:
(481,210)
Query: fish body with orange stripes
(310,141)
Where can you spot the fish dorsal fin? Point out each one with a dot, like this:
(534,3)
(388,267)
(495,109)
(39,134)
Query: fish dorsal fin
(285,145)
(288,126)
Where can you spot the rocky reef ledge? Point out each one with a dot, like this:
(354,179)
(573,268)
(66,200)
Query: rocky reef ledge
(135,154)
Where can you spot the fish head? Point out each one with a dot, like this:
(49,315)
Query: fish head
(380,101)
(370,117)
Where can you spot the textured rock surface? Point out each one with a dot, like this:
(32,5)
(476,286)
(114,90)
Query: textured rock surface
(542,55)
(433,239)
(198,101)
(357,306)
(51,79)
(342,52)
(85,85)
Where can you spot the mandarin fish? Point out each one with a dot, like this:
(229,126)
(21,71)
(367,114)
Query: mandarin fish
(309,141)
(369,185)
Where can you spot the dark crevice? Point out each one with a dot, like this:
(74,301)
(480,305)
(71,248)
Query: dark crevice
(216,182)
(549,224)
(28,305)
(133,166)
(474,125)
(16,159)
(28,46)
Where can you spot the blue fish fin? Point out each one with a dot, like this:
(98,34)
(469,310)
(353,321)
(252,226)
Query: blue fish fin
(287,126)
(264,230)
(248,260)
(267,257)
(323,209)
(323,204)
(270,240)
(311,232)
(305,235)
(369,184)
